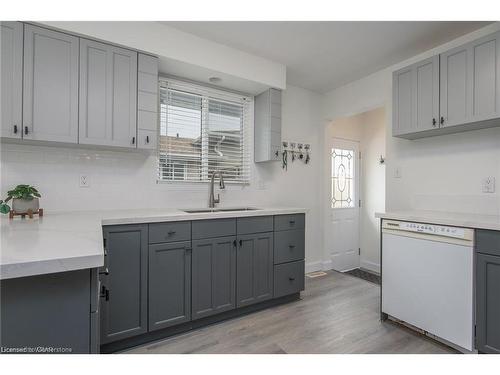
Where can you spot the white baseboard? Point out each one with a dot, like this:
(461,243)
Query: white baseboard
(313,267)
(319,266)
(370,266)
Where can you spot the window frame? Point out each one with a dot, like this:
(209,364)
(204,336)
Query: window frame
(207,91)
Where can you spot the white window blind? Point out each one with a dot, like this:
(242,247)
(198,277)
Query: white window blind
(202,131)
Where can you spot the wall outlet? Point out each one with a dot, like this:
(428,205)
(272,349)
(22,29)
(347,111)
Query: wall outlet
(488,184)
(397,172)
(84,181)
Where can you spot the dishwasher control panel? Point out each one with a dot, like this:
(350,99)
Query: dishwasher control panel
(432,229)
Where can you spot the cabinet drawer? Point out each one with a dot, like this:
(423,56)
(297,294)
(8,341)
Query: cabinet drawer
(488,242)
(213,228)
(288,278)
(170,232)
(260,224)
(288,246)
(285,222)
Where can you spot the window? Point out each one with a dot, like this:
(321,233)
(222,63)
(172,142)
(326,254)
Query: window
(342,178)
(202,131)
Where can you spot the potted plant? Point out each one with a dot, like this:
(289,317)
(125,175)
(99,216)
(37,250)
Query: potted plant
(24,199)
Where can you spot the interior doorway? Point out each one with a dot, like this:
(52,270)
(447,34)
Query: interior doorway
(355,181)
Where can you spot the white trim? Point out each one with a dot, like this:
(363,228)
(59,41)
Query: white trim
(370,266)
(313,267)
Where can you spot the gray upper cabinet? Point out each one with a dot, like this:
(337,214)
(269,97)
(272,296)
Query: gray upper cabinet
(169,284)
(213,276)
(147,111)
(125,288)
(267,117)
(416,97)
(11,55)
(50,95)
(470,82)
(254,268)
(460,89)
(108,95)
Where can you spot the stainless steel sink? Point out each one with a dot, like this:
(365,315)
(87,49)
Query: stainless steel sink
(229,209)
(200,210)
(237,209)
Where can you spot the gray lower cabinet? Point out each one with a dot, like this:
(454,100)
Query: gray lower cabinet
(213,276)
(488,301)
(169,284)
(11,79)
(254,268)
(124,288)
(50,94)
(48,313)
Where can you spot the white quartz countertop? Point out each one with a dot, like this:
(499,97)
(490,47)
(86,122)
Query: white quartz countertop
(59,242)
(473,221)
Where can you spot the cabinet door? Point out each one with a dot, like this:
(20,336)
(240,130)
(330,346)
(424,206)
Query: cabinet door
(214,276)
(416,97)
(169,284)
(124,313)
(254,268)
(470,82)
(108,95)
(488,303)
(11,64)
(402,102)
(50,96)
(484,69)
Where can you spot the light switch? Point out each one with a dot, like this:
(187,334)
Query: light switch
(488,184)
(84,181)
(397,172)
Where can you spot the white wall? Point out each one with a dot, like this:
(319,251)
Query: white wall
(368,129)
(127,179)
(439,173)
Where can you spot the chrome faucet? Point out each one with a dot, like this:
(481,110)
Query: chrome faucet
(211,199)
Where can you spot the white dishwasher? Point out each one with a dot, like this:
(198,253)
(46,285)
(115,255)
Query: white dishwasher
(427,279)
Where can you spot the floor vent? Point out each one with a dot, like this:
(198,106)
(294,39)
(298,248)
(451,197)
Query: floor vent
(313,275)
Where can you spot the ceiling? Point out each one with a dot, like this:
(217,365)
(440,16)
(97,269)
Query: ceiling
(321,56)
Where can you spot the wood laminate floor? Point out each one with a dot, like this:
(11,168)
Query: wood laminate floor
(338,313)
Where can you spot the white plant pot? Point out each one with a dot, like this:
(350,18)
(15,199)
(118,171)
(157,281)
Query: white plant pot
(21,206)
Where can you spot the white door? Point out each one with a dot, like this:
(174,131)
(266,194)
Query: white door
(343,219)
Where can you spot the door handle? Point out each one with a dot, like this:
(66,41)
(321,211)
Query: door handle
(171,232)
(433,122)
(15,129)
(26,130)
(291,246)
(104,293)
(291,222)
(133,140)
(147,139)
(441,121)
(291,278)
(105,272)
(234,243)
(241,242)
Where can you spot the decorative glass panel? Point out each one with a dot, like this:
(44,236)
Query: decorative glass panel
(342,178)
